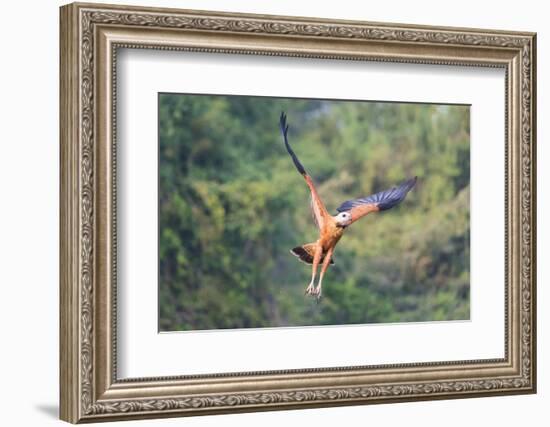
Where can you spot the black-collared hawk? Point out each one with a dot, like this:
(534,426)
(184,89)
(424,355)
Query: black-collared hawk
(331,228)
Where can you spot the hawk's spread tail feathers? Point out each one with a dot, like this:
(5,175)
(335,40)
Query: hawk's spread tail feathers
(305,253)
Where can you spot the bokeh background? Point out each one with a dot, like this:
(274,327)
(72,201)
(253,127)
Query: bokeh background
(231,205)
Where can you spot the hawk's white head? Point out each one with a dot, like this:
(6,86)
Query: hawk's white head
(343,219)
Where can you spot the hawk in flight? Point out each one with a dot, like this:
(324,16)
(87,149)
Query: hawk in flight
(331,228)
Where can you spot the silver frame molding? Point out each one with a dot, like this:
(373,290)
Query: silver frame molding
(90,37)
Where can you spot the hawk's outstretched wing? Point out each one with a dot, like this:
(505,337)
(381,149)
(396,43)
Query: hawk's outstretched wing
(381,201)
(318,208)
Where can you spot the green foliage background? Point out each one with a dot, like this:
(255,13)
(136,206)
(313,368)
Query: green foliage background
(232,205)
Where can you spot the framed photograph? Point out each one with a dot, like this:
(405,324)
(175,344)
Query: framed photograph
(266,212)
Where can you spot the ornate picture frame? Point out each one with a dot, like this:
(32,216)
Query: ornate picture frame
(90,37)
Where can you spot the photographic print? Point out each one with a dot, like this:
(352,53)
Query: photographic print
(308,195)
(278,212)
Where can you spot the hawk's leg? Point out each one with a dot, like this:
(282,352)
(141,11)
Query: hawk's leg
(316,258)
(326,263)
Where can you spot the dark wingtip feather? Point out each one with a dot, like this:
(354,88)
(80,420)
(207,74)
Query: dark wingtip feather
(397,194)
(384,199)
(284,130)
(282,123)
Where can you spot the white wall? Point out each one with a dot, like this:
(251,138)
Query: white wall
(29,169)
